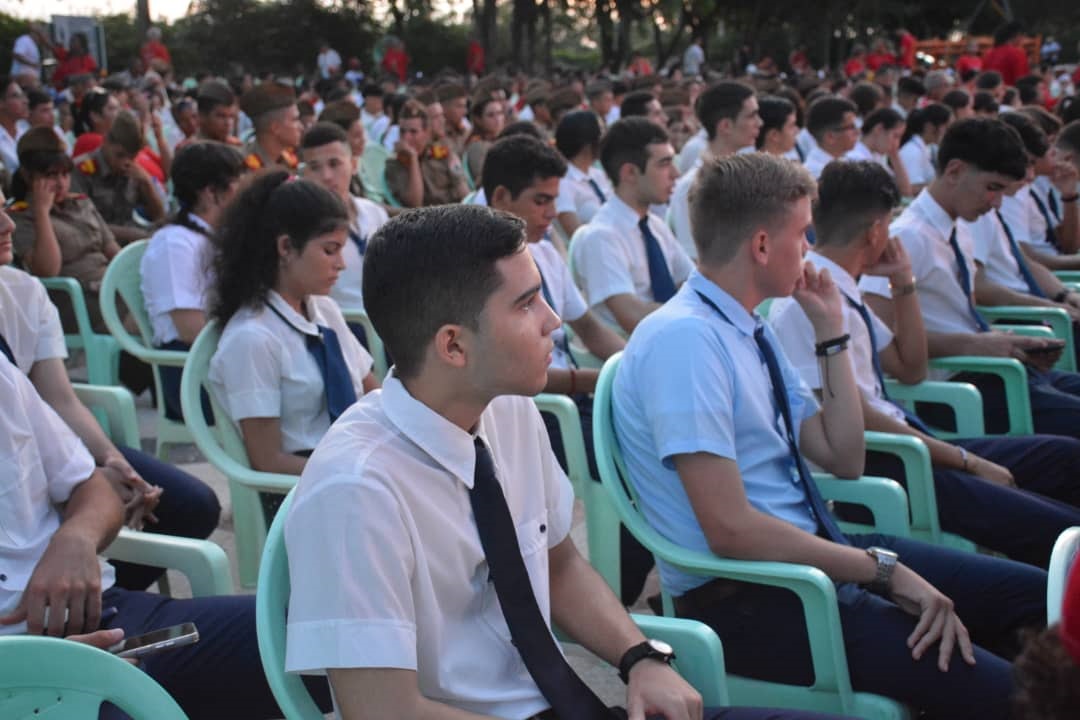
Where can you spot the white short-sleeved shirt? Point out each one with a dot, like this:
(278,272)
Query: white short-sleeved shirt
(567,299)
(262,367)
(918,162)
(994,253)
(348,290)
(327,60)
(691,151)
(861,152)
(924,228)
(385,560)
(576,195)
(608,256)
(25,46)
(9,146)
(41,463)
(28,320)
(1026,221)
(1050,198)
(375,125)
(797,337)
(679,210)
(805,142)
(685,376)
(175,271)
(817,160)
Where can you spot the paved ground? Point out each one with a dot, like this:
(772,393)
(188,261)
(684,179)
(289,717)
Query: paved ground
(597,674)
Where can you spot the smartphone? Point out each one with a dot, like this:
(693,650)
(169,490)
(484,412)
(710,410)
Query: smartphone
(156,641)
(1052,348)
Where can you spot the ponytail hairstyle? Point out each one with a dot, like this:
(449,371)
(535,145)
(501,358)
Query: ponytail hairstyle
(198,166)
(934,114)
(93,102)
(246,258)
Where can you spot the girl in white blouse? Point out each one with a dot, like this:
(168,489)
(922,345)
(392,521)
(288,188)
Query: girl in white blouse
(918,148)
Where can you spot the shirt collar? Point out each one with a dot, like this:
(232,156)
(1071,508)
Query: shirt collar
(934,213)
(196,220)
(443,441)
(743,321)
(290,316)
(575,173)
(621,212)
(841,277)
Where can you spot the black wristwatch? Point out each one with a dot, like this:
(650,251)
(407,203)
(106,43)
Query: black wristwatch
(651,650)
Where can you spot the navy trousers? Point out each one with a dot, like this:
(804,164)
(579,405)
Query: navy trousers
(220,676)
(764,631)
(1022,523)
(170,387)
(188,508)
(1055,401)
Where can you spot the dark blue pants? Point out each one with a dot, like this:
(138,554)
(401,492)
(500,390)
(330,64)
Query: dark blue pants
(1055,401)
(1022,523)
(764,631)
(220,676)
(188,508)
(170,387)
(635,561)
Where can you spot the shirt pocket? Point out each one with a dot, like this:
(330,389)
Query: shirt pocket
(532,537)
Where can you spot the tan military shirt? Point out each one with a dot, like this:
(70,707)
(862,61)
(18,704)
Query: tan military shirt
(456,139)
(442,172)
(115,196)
(257,159)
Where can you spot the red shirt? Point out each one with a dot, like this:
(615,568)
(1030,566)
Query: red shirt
(474,59)
(155,50)
(395,61)
(1009,60)
(876,60)
(69,65)
(907,50)
(641,67)
(966,63)
(853,67)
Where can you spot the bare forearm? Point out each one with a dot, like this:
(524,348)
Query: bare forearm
(990,293)
(125,234)
(93,512)
(942,454)
(1068,232)
(909,337)
(946,344)
(414,195)
(45,258)
(598,338)
(900,175)
(570,381)
(154,205)
(1051,260)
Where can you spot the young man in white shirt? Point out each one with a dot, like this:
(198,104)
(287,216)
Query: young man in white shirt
(831,120)
(1053,217)
(979,159)
(728,112)
(626,260)
(421,489)
(714,424)
(975,479)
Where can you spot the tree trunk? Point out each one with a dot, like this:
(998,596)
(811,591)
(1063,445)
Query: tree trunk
(142,18)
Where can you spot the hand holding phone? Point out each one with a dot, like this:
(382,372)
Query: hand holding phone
(1051,347)
(156,641)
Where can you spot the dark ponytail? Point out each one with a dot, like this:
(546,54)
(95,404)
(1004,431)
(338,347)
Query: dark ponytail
(935,114)
(198,166)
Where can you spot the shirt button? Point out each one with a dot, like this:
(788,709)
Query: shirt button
(3,577)
(543,527)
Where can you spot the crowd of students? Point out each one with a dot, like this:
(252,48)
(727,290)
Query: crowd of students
(556,219)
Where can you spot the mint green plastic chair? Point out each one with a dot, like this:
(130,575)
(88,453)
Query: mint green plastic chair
(1013,377)
(1068,276)
(831,691)
(700,656)
(1056,319)
(223,447)
(102,351)
(372,169)
(374,343)
(123,281)
(114,408)
(1062,558)
(45,678)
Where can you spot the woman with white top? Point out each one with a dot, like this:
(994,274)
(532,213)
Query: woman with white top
(329,162)
(925,128)
(286,366)
(585,187)
(175,269)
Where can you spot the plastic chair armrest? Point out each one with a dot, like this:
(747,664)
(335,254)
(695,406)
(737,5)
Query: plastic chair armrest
(71,287)
(118,408)
(919,476)
(203,562)
(884,498)
(963,398)
(1014,378)
(1070,276)
(566,413)
(699,656)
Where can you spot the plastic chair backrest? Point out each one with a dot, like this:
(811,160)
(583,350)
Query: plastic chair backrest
(123,280)
(43,677)
(1061,561)
(372,168)
(102,351)
(375,345)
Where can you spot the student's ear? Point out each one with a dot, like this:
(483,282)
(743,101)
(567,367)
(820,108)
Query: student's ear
(500,197)
(451,346)
(628,171)
(284,246)
(759,248)
(954,169)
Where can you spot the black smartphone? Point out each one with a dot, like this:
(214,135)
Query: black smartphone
(1051,348)
(156,641)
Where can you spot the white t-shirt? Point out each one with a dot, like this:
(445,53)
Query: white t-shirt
(41,463)
(175,272)
(25,46)
(348,290)
(9,146)
(263,369)
(692,60)
(576,195)
(29,321)
(329,60)
(608,256)
(918,161)
(565,297)
(385,561)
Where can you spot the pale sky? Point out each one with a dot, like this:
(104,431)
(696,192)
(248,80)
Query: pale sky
(43,9)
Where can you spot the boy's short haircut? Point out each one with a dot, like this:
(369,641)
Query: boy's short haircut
(724,100)
(1035,140)
(1068,138)
(213,94)
(126,134)
(851,196)
(323,133)
(412,109)
(734,196)
(984,102)
(956,99)
(450,91)
(827,114)
(636,104)
(431,267)
(885,116)
(988,80)
(866,96)
(774,113)
(628,141)
(910,86)
(984,143)
(1050,123)
(519,161)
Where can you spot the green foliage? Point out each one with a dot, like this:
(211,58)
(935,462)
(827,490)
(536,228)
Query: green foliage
(10,29)
(433,45)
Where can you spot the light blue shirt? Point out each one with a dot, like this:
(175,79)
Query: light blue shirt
(685,376)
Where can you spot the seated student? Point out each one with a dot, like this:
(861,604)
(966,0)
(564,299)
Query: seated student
(423,172)
(276,120)
(217,113)
(741,487)
(430,529)
(831,120)
(979,158)
(346,116)
(488,118)
(116,184)
(925,127)
(975,480)
(728,112)
(175,270)
(626,260)
(779,127)
(584,188)
(60,513)
(173,502)
(882,130)
(287,365)
(1053,217)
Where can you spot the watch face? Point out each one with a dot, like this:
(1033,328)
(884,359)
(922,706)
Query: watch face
(884,552)
(661,647)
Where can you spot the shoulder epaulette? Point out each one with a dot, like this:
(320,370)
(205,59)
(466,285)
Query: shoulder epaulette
(291,161)
(87,166)
(18,206)
(253,161)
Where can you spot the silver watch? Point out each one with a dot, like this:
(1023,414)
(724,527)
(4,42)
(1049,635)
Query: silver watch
(886,563)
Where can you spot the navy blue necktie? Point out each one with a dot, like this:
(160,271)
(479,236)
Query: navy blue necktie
(360,240)
(818,509)
(1051,234)
(1018,255)
(964,275)
(596,189)
(6,349)
(1053,204)
(663,287)
(570,698)
(564,344)
(325,348)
